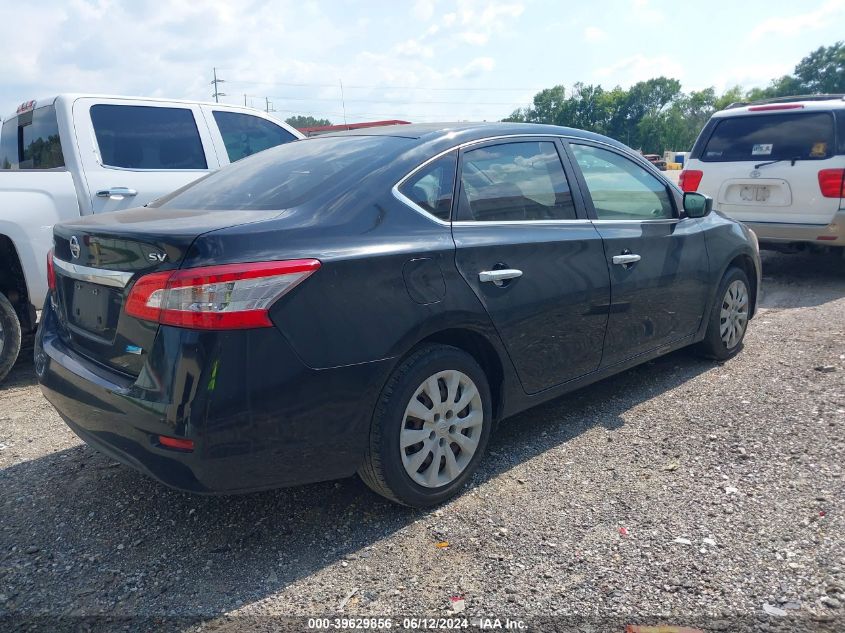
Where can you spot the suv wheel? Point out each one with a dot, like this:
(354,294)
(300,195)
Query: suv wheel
(728,317)
(430,427)
(10,336)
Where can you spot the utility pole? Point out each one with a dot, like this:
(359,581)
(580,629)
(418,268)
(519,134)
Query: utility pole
(342,100)
(244,99)
(217,94)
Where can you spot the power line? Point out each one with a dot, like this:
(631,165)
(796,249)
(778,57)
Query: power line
(381,86)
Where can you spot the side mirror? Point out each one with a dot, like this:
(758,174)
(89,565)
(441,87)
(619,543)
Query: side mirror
(697,205)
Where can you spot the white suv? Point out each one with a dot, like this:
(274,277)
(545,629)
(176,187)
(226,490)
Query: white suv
(777,166)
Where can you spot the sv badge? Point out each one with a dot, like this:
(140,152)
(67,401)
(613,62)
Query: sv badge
(157,257)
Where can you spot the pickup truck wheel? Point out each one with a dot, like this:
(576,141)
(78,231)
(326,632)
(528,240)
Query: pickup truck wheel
(10,336)
(430,427)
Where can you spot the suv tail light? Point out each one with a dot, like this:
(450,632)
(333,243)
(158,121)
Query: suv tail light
(832,183)
(51,272)
(689,179)
(232,296)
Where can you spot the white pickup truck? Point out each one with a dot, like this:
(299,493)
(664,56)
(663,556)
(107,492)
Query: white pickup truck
(75,154)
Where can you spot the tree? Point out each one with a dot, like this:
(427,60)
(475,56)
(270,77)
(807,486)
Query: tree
(823,70)
(299,121)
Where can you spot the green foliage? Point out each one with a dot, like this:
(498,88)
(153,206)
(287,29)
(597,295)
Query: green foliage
(655,115)
(299,121)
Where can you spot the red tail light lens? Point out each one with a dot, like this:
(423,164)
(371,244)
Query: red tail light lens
(180,444)
(232,296)
(51,272)
(832,183)
(689,179)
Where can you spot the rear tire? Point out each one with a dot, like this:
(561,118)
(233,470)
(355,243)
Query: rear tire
(10,336)
(728,319)
(422,448)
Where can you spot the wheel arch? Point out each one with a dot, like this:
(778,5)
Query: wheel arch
(13,283)
(482,351)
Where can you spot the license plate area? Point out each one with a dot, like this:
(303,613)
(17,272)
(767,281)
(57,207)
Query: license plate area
(91,308)
(768,192)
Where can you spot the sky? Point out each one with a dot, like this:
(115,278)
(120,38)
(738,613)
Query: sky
(417,60)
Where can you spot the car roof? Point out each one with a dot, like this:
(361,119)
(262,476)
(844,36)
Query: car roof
(784,105)
(465,131)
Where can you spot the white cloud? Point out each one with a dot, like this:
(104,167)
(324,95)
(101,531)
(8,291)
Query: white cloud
(423,10)
(801,23)
(413,48)
(640,68)
(476,67)
(644,11)
(594,34)
(449,19)
(475,38)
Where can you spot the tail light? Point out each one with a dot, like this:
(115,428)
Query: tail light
(689,179)
(51,272)
(232,296)
(832,183)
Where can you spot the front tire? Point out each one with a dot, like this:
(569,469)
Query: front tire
(430,427)
(10,336)
(728,320)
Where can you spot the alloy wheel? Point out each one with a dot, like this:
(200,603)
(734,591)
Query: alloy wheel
(733,317)
(441,428)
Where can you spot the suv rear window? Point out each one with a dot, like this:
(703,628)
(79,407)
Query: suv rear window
(147,137)
(31,141)
(287,175)
(764,137)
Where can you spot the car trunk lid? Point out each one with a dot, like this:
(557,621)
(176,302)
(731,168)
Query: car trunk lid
(98,259)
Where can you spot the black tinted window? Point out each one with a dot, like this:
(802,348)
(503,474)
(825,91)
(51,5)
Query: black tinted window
(244,134)
(515,182)
(432,186)
(288,175)
(764,137)
(31,141)
(145,137)
(621,189)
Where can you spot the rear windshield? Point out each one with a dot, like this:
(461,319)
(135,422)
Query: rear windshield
(31,141)
(288,175)
(806,136)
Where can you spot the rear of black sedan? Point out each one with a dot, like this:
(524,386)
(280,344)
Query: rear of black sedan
(297,317)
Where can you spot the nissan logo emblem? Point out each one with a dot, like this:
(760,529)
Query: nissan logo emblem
(74,247)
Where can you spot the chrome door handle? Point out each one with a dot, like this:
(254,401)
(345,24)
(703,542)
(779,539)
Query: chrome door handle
(498,277)
(624,260)
(117,193)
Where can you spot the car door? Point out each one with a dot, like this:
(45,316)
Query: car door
(237,135)
(134,151)
(534,261)
(657,260)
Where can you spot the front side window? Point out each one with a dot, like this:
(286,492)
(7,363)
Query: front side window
(621,189)
(510,182)
(31,141)
(244,134)
(765,137)
(432,186)
(146,137)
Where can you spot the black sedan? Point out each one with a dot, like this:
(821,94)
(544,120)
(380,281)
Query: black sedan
(374,302)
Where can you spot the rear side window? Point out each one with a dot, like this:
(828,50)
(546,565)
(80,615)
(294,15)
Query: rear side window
(432,186)
(244,134)
(289,175)
(31,141)
(764,137)
(145,137)
(515,182)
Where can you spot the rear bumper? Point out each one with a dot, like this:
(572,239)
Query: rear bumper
(259,417)
(832,234)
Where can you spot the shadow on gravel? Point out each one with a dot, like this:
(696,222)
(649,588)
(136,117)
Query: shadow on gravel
(92,537)
(801,280)
(23,372)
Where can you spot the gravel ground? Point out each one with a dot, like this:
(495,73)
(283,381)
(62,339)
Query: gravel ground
(683,492)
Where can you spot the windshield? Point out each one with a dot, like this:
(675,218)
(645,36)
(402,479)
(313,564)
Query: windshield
(288,175)
(769,137)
